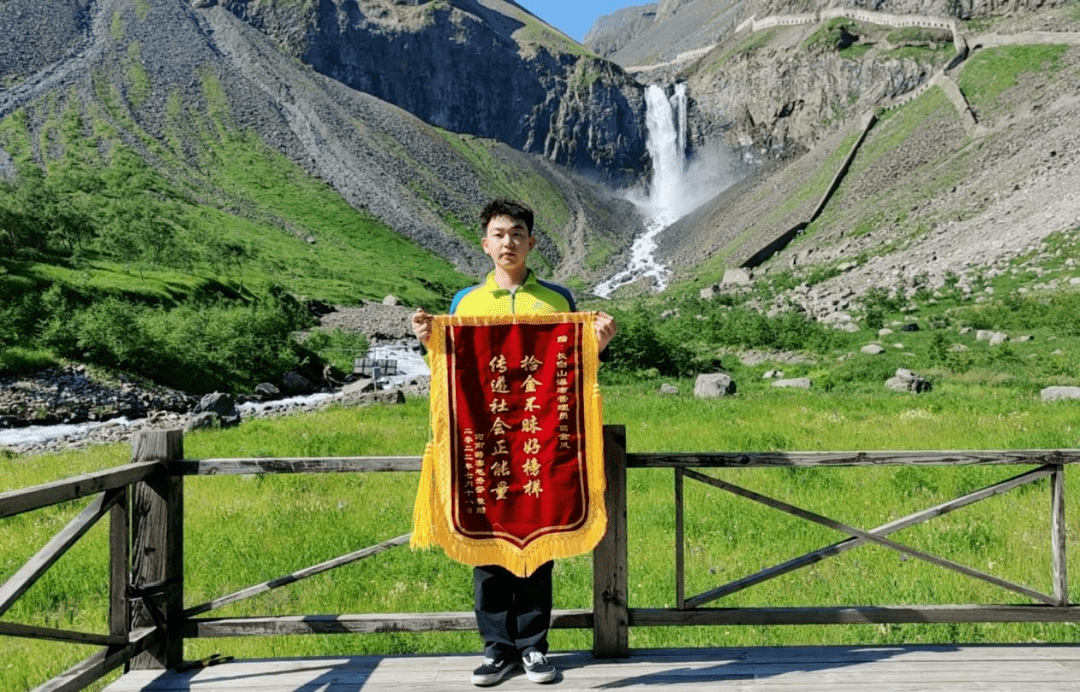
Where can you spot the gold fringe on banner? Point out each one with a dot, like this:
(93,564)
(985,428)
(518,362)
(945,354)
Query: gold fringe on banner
(432,513)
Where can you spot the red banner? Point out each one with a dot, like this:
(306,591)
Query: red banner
(514,473)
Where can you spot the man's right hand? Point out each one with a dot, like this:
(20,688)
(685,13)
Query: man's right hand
(421,324)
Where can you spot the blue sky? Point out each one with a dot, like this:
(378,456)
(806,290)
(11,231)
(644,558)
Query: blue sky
(575,17)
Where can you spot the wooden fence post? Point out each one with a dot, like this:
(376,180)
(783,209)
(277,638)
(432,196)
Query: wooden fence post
(119,560)
(1058,538)
(157,560)
(610,615)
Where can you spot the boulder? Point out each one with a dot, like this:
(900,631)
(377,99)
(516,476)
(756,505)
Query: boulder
(221,406)
(737,277)
(794,383)
(267,392)
(907,381)
(293,383)
(872,349)
(668,389)
(713,385)
(1060,393)
(201,421)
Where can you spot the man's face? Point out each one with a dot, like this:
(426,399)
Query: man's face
(507,242)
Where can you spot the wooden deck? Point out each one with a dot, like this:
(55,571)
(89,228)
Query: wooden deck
(1004,668)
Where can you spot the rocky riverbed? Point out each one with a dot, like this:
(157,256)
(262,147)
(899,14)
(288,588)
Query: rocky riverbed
(73,406)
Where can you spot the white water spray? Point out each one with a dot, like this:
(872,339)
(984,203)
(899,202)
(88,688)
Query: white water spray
(664,203)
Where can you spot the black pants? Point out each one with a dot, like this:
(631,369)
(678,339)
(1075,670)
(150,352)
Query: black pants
(512,613)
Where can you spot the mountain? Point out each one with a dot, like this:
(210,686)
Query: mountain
(487,68)
(414,113)
(171,82)
(920,146)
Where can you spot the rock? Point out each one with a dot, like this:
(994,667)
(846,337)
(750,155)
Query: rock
(200,421)
(222,407)
(794,383)
(772,374)
(390,300)
(737,277)
(713,385)
(360,386)
(907,381)
(884,331)
(267,392)
(872,349)
(293,384)
(708,293)
(668,389)
(1060,393)
(393,395)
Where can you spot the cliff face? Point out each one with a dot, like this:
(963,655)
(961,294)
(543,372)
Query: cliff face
(612,32)
(483,68)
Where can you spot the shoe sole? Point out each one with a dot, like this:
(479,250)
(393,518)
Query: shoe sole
(541,677)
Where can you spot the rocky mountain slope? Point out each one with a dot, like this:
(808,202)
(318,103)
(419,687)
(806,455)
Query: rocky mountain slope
(160,73)
(969,161)
(485,68)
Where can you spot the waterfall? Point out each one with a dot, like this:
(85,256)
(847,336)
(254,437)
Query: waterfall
(665,199)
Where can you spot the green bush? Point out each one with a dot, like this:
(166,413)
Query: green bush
(198,346)
(17,360)
(747,328)
(639,345)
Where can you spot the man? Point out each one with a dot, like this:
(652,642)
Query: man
(512,613)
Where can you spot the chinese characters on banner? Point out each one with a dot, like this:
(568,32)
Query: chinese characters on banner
(516,464)
(519,462)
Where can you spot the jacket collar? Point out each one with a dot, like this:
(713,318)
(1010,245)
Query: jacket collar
(495,289)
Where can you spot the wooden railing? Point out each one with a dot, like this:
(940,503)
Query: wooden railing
(148,621)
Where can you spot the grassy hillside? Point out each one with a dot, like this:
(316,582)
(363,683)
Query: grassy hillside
(113,233)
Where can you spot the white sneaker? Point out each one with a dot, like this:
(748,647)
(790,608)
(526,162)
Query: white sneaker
(538,668)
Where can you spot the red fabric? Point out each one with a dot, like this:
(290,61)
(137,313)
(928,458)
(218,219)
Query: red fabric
(518,430)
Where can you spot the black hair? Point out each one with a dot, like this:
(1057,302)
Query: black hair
(518,211)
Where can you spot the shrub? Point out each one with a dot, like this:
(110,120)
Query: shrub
(638,345)
(198,347)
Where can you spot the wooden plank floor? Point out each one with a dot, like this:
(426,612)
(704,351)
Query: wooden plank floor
(1043,668)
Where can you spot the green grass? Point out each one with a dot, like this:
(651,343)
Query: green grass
(244,530)
(987,74)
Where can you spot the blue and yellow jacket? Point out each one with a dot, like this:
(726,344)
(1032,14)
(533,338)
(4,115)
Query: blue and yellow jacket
(534,297)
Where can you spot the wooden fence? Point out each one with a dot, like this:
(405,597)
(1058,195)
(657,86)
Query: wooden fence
(148,620)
